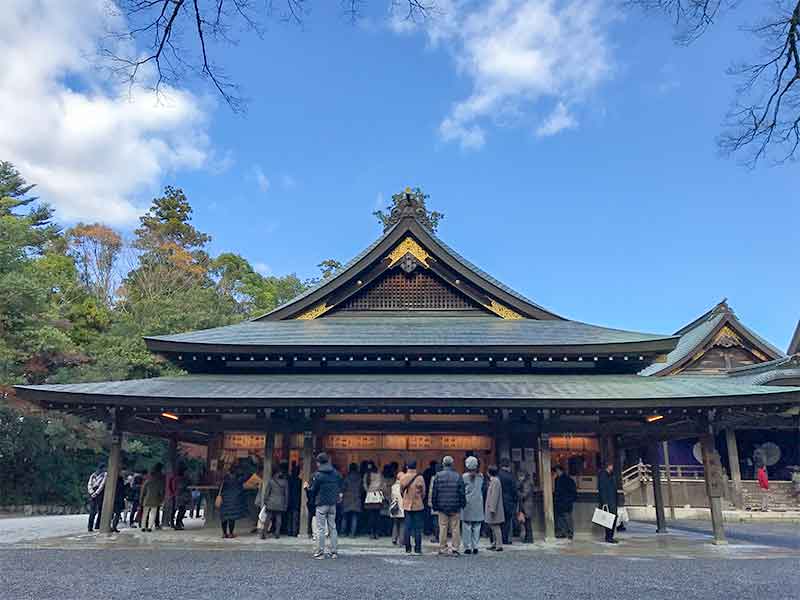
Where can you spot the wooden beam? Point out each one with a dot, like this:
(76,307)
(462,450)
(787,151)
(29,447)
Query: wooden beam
(547,488)
(735,471)
(112,473)
(658,497)
(670,497)
(714,486)
(308,459)
(266,472)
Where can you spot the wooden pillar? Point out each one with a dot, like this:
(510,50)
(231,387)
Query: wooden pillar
(547,488)
(714,485)
(266,471)
(308,458)
(736,474)
(109,495)
(658,496)
(667,470)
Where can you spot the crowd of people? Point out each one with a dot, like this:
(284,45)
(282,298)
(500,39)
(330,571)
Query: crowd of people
(144,500)
(455,508)
(400,502)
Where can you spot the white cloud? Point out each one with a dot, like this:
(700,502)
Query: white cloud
(559,120)
(261,179)
(91,148)
(521,56)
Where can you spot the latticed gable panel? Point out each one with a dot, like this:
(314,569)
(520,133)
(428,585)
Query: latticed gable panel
(401,291)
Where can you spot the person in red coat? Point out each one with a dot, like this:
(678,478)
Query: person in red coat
(763,483)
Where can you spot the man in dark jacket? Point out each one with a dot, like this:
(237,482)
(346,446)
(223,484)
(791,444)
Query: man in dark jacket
(430,523)
(326,488)
(607,496)
(293,513)
(510,497)
(564,496)
(448,498)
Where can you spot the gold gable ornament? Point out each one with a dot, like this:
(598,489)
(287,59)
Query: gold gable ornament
(313,313)
(408,246)
(503,311)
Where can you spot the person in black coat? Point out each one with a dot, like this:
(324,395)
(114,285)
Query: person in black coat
(607,496)
(233,500)
(510,498)
(564,496)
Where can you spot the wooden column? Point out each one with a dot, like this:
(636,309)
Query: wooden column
(547,488)
(308,458)
(266,471)
(658,496)
(736,474)
(667,470)
(714,485)
(109,495)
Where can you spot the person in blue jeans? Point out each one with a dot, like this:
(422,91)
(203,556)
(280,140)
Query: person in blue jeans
(412,490)
(326,489)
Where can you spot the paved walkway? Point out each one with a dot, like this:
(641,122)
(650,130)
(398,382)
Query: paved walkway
(684,541)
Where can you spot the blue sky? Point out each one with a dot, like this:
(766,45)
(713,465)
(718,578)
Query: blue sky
(626,218)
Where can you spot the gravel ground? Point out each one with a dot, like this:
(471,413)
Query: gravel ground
(177,574)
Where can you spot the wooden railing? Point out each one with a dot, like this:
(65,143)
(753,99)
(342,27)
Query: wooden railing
(641,473)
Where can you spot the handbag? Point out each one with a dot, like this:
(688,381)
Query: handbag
(604,518)
(262,518)
(218,499)
(374,497)
(622,515)
(394,508)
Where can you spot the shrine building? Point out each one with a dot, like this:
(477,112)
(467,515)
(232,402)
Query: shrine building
(412,352)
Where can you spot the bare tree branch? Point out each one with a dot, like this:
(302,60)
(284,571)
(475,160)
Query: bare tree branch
(764,122)
(164,42)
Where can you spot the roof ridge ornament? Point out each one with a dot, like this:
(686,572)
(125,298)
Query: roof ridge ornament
(410,203)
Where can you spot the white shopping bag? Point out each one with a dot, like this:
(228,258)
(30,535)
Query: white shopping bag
(604,518)
(262,518)
(622,515)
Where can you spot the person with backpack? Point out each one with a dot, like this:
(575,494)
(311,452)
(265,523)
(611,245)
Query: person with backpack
(448,499)
(326,490)
(412,490)
(396,513)
(276,501)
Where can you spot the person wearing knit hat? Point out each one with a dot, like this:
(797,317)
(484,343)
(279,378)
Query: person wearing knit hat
(472,513)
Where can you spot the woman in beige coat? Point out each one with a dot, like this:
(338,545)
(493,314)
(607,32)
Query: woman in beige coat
(494,514)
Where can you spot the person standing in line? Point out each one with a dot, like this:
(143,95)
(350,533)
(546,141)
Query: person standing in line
(607,497)
(96,489)
(373,499)
(430,526)
(233,500)
(197,502)
(526,508)
(134,495)
(276,500)
(119,504)
(168,517)
(351,501)
(385,521)
(565,493)
(396,513)
(295,495)
(412,490)
(432,515)
(494,510)
(152,496)
(472,513)
(510,499)
(326,489)
(763,483)
(183,496)
(447,500)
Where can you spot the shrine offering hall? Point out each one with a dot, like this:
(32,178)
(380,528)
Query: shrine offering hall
(412,352)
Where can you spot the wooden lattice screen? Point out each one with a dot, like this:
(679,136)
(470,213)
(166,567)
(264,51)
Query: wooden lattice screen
(415,291)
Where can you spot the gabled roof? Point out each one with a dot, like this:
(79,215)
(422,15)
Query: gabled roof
(700,334)
(409,237)
(794,345)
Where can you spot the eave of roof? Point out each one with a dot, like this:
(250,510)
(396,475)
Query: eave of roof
(331,390)
(428,332)
(794,345)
